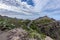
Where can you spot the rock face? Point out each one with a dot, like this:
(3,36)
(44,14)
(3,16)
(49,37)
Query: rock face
(15,34)
(48,38)
(19,34)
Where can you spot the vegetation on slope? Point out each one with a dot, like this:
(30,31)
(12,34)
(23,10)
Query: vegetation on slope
(38,28)
(7,23)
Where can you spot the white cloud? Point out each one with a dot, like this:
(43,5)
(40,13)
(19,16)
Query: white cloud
(39,4)
(42,7)
(23,8)
(16,9)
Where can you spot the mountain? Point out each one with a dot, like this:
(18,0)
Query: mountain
(48,26)
(38,28)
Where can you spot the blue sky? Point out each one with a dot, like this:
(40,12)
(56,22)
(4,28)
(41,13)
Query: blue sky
(29,2)
(30,9)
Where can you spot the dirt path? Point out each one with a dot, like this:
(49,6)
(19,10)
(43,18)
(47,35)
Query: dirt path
(3,35)
(29,24)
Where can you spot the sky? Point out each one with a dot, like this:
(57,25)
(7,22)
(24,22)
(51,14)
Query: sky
(30,9)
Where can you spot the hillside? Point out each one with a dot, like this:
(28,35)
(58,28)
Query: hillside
(37,29)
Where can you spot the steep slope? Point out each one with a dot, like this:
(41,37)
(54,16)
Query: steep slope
(48,26)
(39,28)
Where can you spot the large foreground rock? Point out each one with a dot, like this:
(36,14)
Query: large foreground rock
(15,34)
